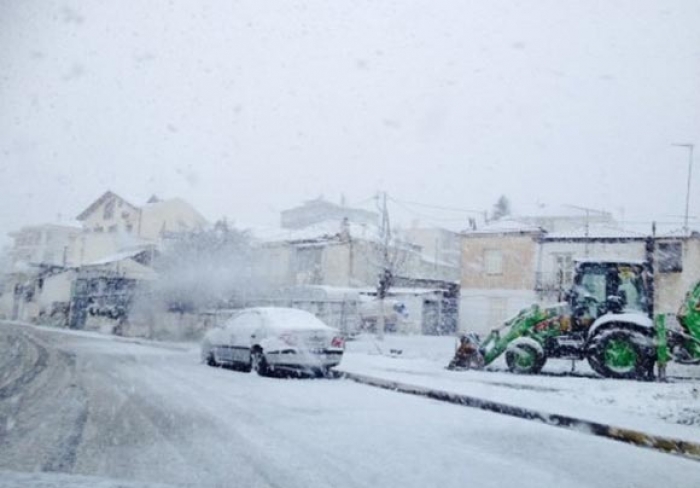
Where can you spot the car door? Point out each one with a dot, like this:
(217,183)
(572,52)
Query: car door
(241,334)
(226,338)
(215,337)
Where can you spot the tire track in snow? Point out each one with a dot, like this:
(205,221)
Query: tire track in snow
(28,358)
(39,389)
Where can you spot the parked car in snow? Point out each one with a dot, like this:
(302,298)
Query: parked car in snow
(268,339)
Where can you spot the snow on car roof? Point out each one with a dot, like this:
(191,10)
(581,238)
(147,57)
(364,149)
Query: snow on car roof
(291,318)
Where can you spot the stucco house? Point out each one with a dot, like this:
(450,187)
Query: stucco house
(111,224)
(339,256)
(115,243)
(498,273)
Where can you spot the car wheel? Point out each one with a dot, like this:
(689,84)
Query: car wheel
(211,360)
(325,372)
(245,367)
(258,363)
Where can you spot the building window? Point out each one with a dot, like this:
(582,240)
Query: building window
(109,210)
(129,228)
(112,229)
(493,262)
(670,257)
(99,228)
(564,266)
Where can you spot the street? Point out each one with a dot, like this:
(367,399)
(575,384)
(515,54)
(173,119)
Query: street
(116,409)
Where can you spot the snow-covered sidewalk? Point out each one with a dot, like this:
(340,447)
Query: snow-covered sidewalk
(664,409)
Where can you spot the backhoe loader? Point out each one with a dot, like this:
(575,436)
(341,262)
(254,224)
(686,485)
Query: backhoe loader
(607,319)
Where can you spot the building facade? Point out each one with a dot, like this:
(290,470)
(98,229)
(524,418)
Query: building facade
(498,273)
(112,224)
(316,211)
(503,272)
(48,243)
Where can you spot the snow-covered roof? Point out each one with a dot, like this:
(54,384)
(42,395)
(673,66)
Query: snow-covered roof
(326,230)
(430,260)
(505,226)
(680,233)
(127,268)
(598,231)
(174,204)
(104,197)
(118,256)
(544,210)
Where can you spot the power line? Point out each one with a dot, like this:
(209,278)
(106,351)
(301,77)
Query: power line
(437,221)
(438,207)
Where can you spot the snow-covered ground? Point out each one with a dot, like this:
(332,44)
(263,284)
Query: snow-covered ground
(136,411)
(668,409)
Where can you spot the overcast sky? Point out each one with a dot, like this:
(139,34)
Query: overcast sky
(245,108)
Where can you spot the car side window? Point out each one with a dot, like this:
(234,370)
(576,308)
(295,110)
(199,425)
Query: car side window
(245,326)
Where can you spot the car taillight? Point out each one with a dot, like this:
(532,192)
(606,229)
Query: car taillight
(338,342)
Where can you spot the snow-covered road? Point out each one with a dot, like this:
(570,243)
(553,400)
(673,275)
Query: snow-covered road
(95,406)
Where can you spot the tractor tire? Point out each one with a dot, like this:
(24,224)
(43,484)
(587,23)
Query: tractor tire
(622,354)
(525,358)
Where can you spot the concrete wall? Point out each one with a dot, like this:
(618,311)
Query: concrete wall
(437,244)
(672,287)
(337,263)
(56,288)
(482,310)
(273,264)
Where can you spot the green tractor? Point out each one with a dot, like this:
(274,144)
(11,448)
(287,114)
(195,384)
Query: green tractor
(607,319)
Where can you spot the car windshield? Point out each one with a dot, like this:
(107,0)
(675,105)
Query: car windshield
(349,243)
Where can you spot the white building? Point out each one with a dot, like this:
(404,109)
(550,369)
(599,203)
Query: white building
(561,218)
(112,224)
(317,211)
(52,244)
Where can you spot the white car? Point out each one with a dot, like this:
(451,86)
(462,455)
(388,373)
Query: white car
(268,339)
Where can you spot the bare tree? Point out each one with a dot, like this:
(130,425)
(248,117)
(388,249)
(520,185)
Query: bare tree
(392,256)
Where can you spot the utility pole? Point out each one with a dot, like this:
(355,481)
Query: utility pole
(587,234)
(385,272)
(690,148)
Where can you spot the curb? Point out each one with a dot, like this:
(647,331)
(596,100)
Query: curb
(686,449)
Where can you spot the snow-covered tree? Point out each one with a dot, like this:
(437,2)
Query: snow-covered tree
(212,268)
(501,208)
